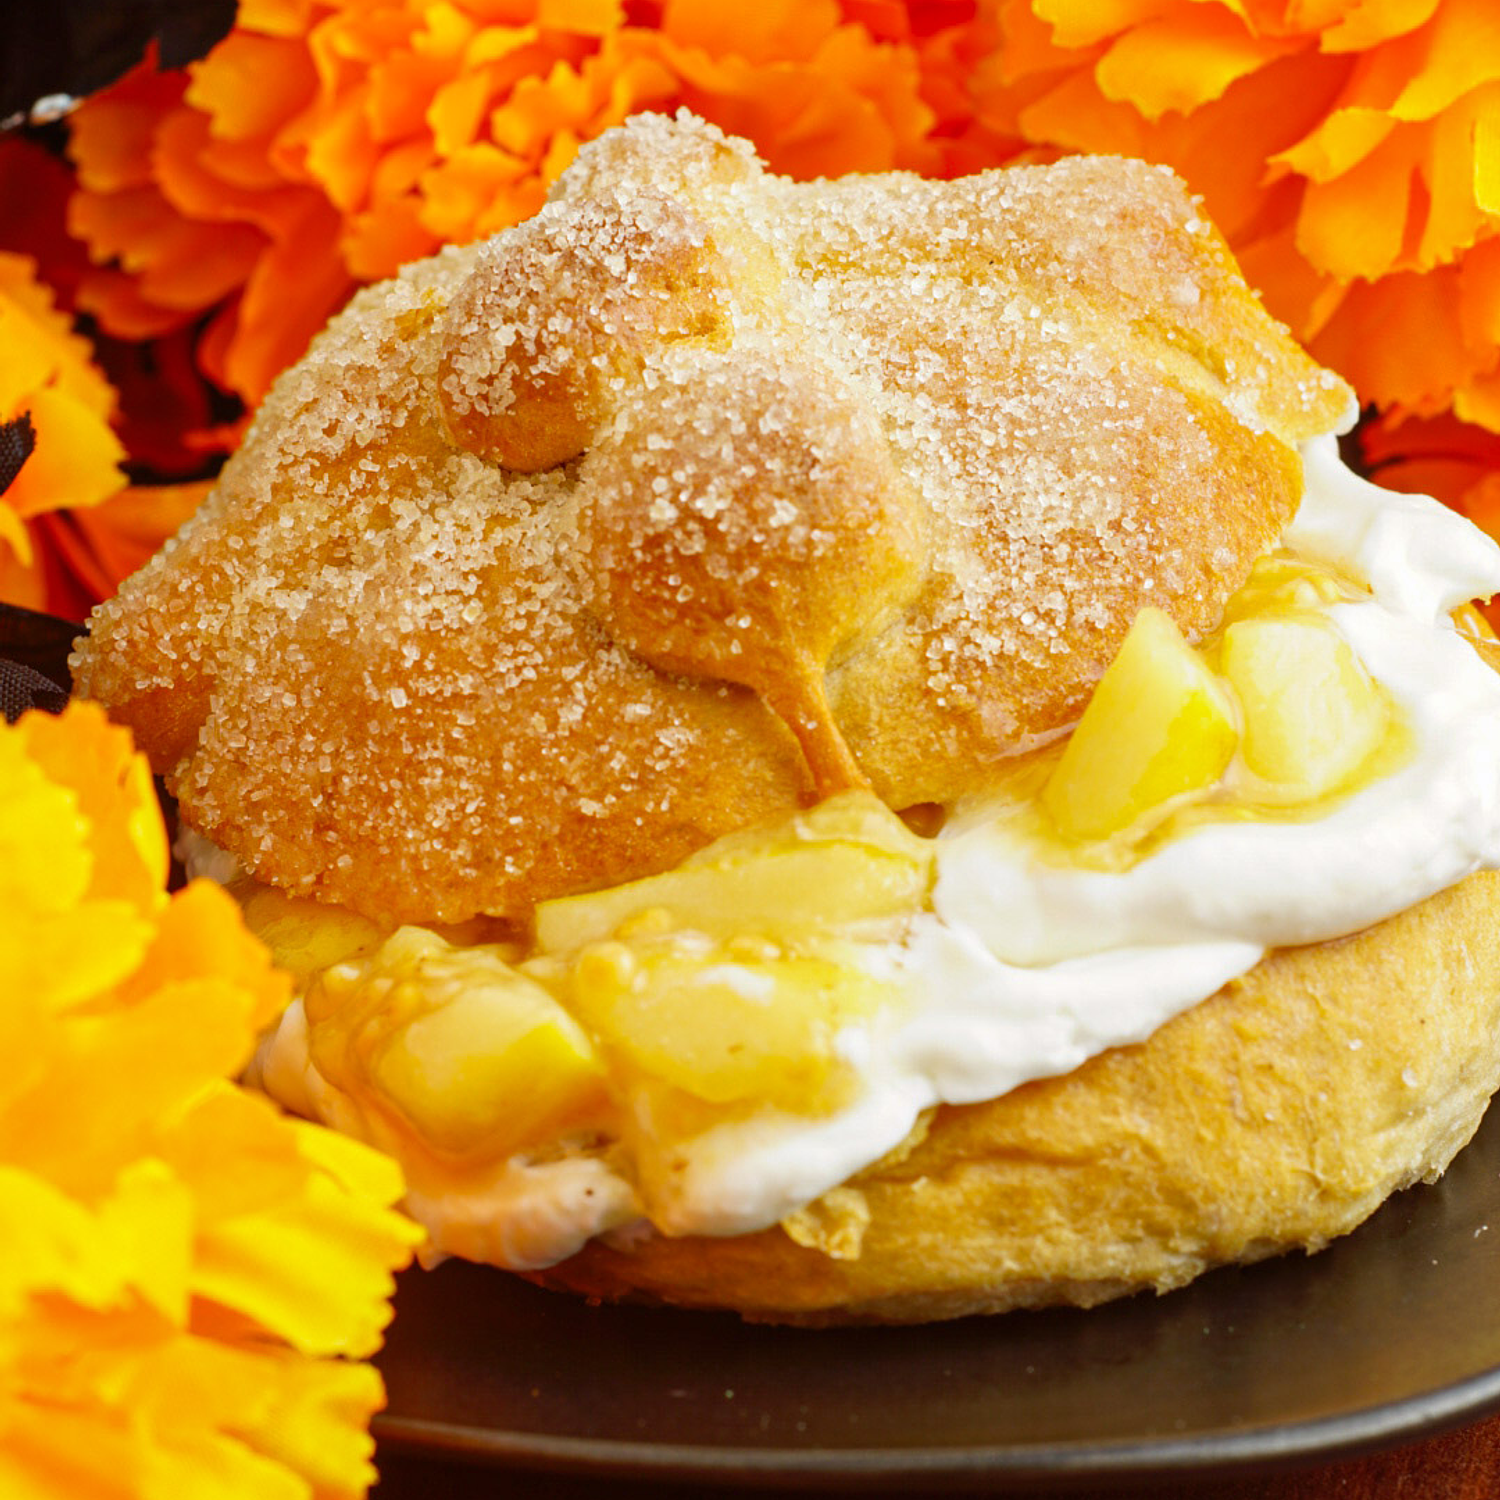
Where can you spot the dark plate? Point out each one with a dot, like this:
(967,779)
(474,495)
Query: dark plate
(1390,1333)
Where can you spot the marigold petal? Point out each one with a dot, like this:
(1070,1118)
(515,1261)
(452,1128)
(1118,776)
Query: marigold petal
(127,842)
(110,134)
(1374,21)
(31,357)
(1077,117)
(1457,51)
(120,535)
(1081,23)
(49,1246)
(1356,226)
(276,17)
(200,937)
(1477,400)
(317,1422)
(586,17)
(473,180)
(251,84)
(72,955)
(1400,340)
(145,1227)
(116,300)
(44,855)
(1293,291)
(42,344)
(13,535)
(1183,63)
(387,237)
(774,32)
(457,110)
(1453,220)
(295,288)
(76,459)
(1344,138)
(133,1067)
(50,1451)
(316,1272)
(342,155)
(227,1123)
(365,1174)
(401,88)
(1487,151)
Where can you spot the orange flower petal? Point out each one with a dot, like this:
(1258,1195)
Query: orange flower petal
(31,357)
(295,288)
(315,1270)
(120,535)
(1340,141)
(770,33)
(1293,291)
(586,17)
(126,842)
(199,938)
(277,17)
(75,461)
(389,236)
(1399,342)
(1355,226)
(251,84)
(457,110)
(15,536)
(1076,116)
(117,301)
(1454,219)
(1081,23)
(1184,63)
(1460,49)
(226,1123)
(1365,25)
(109,135)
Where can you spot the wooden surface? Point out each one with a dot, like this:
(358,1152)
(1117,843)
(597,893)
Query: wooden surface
(1461,1465)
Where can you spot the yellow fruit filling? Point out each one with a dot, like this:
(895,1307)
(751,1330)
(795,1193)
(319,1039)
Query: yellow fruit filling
(1270,717)
(473,1055)
(732,984)
(1312,715)
(1159,726)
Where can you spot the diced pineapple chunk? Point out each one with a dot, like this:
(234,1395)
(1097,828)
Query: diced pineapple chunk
(474,1055)
(1279,583)
(1159,725)
(848,862)
(305,936)
(1312,716)
(726,1022)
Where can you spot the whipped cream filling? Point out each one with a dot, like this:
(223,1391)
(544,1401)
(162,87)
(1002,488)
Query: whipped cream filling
(1024,968)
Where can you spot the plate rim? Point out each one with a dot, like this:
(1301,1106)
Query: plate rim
(1239,1451)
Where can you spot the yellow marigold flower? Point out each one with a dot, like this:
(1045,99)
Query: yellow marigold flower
(189,1276)
(47,371)
(324,143)
(1350,152)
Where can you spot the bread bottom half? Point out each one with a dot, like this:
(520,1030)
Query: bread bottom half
(1277,1114)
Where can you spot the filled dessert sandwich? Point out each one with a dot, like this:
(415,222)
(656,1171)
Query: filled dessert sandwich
(843,750)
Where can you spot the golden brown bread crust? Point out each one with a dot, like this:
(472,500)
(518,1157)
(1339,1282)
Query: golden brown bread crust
(702,493)
(1277,1114)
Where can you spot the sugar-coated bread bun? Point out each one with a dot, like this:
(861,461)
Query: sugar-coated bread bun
(702,493)
(1275,1115)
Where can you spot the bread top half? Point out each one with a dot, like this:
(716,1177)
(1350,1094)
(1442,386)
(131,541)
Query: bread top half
(702,494)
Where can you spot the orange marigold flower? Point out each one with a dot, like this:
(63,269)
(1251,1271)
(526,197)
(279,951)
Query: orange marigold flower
(324,143)
(48,373)
(1350,152)
(185,1269)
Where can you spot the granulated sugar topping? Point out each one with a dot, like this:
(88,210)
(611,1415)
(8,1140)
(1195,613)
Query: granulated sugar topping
(703,491)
